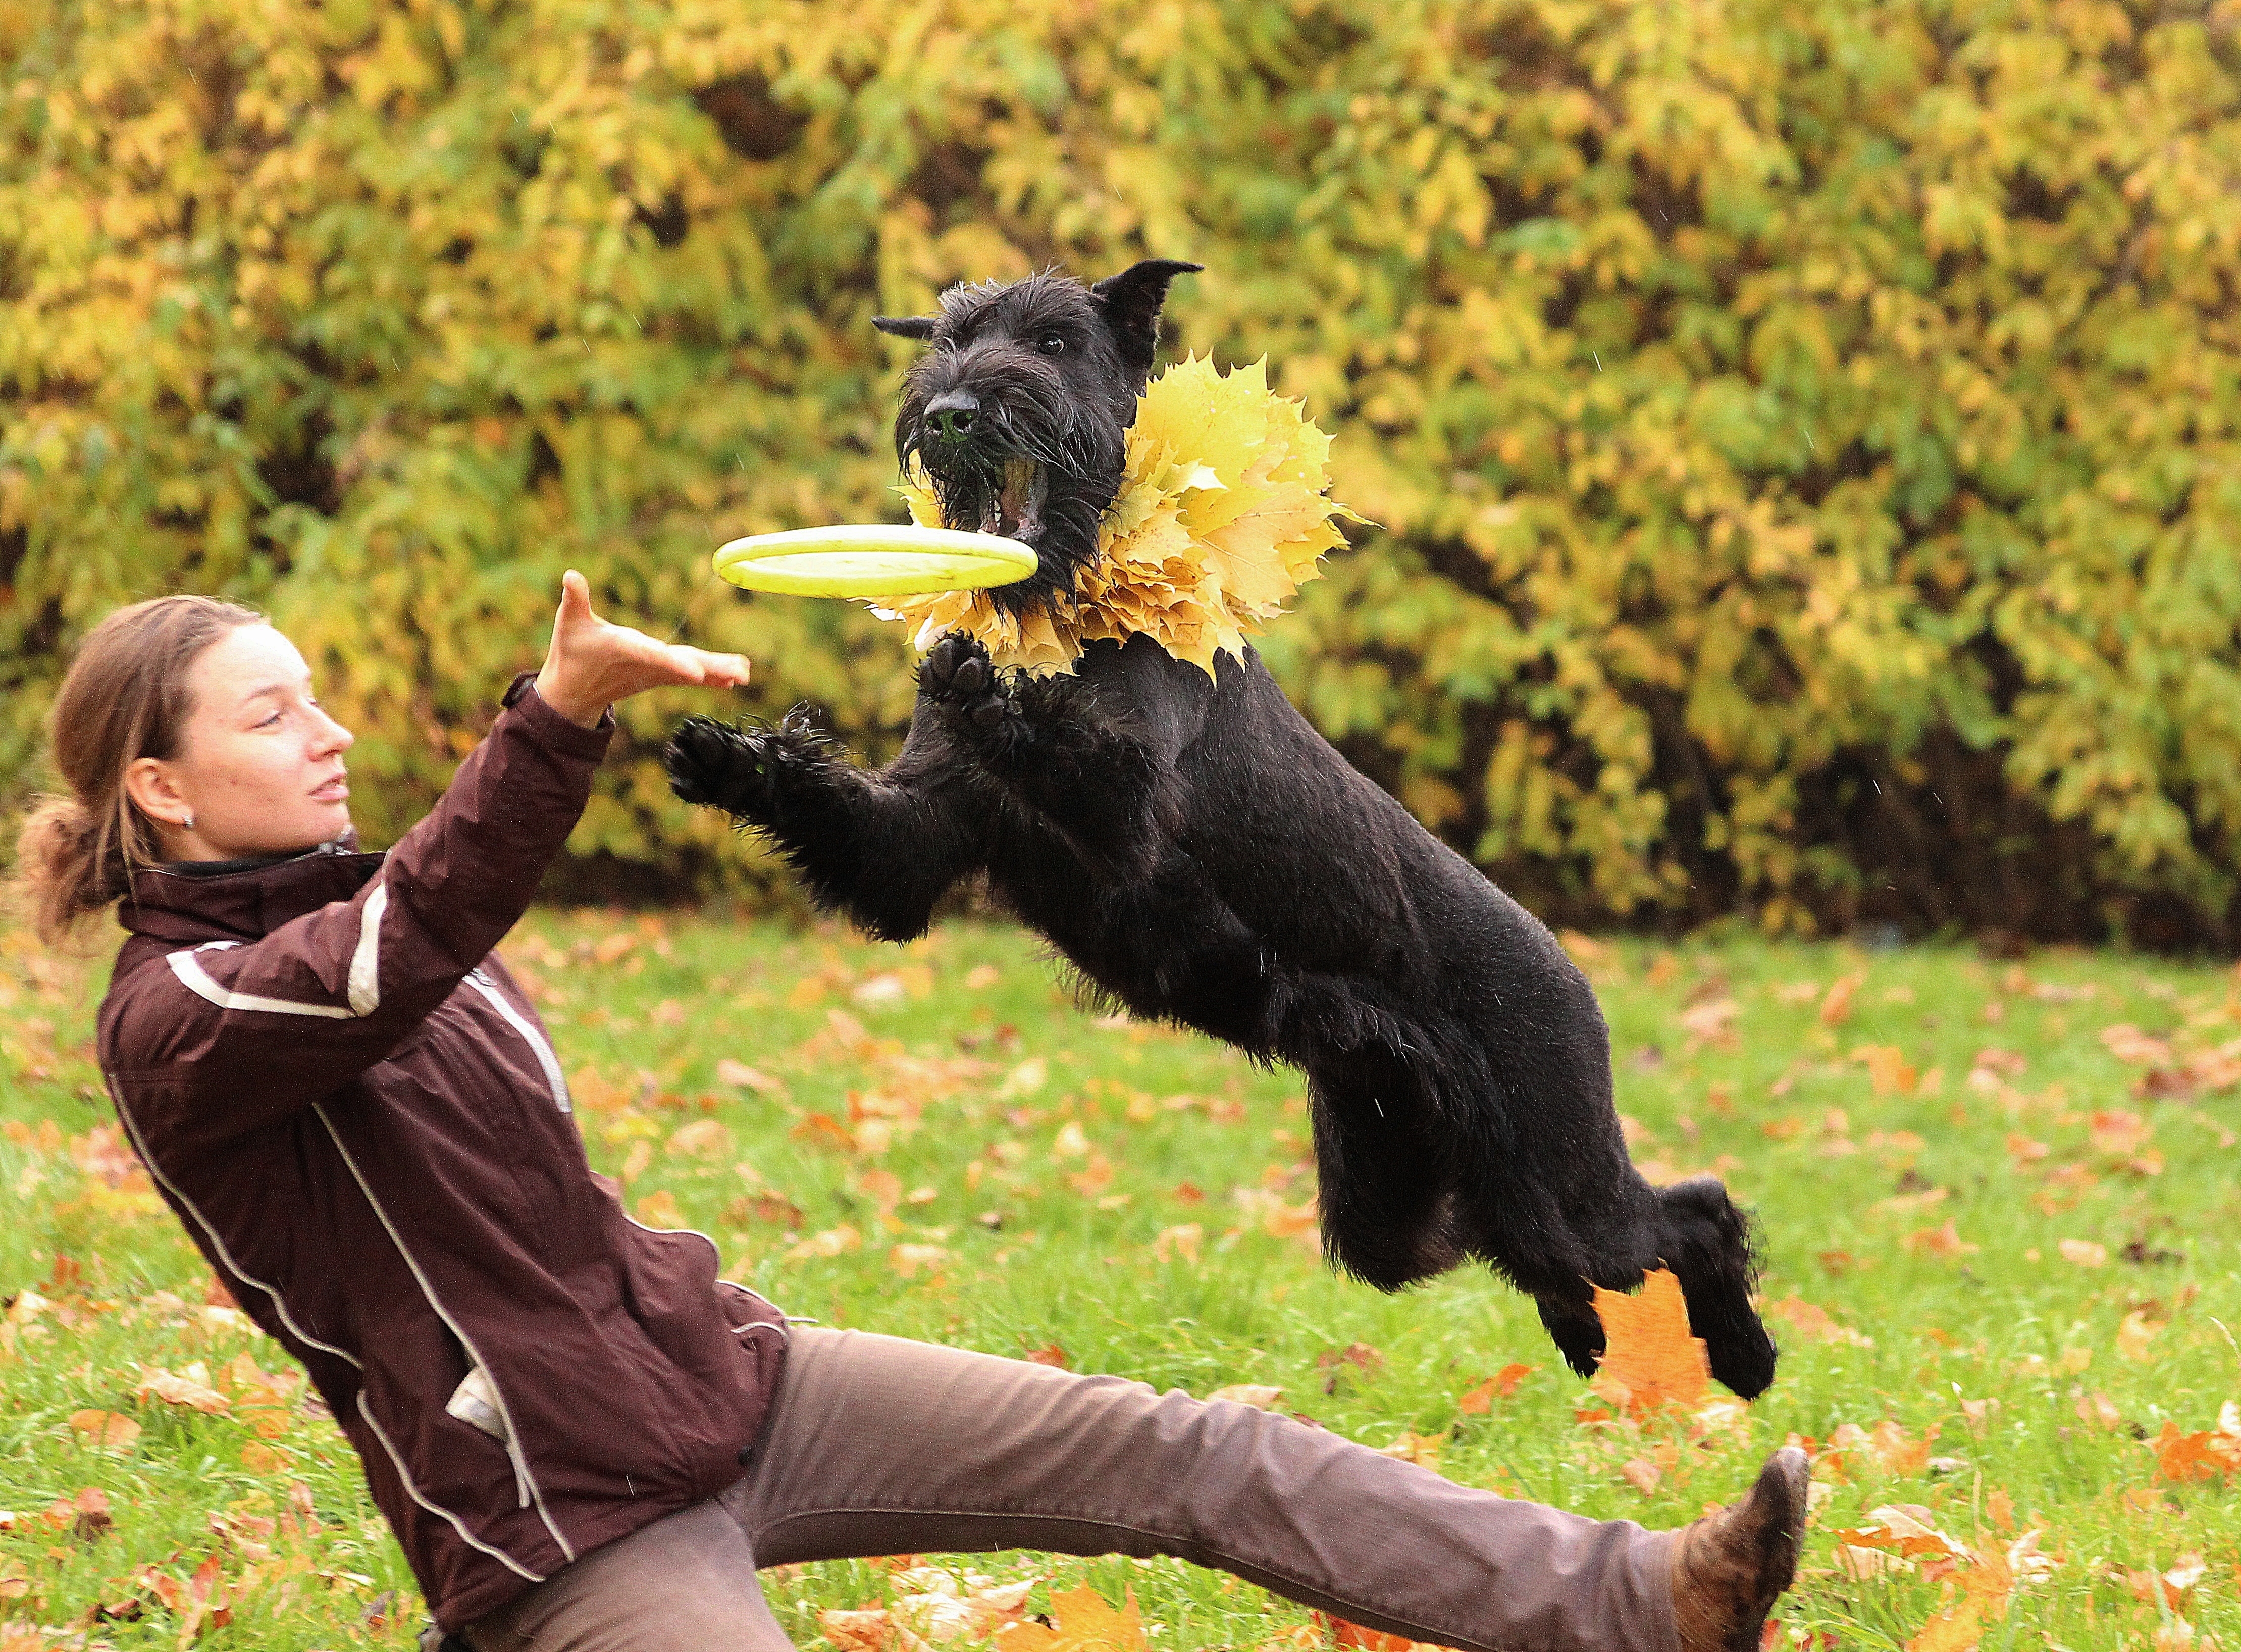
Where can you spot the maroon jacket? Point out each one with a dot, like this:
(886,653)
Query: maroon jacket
(353,1108)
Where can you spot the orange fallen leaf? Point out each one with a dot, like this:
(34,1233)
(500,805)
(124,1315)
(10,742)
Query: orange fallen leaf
(1642,1473)
(1051,1355)
(105,1430)
(1650,1359)
(868,1630)
(1361,1355)
(2135,1337)
(1940,1241)
(1814,1323)
(1480,1397)
(1889,1071)
(658,1209)
(1182,1240)
(2168,1587)
(1367,1640)
(2085,1253)
(823,1130)
(2212,1452)
(1837,1007)
(262,1459)
(1958,1630)
(1900,1530)
(1080,1622)
(86,1514)
(702,1139)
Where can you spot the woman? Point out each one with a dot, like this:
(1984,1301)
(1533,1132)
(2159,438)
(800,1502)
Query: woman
(582,1438)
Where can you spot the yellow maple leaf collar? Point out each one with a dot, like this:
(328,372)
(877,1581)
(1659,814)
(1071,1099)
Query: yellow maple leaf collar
(1223,513)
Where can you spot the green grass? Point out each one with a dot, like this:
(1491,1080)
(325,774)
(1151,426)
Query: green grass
(1038,1155)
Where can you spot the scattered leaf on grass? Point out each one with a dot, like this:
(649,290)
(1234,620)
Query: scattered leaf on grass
(1423,1449)
(740,1076)
(190,1388)
(1480,1397)
(932,1607)
(105,1430)
(1080,1622)
(1367,1640)
(1650,1359)
(1814,1323)
(1252,1394)
(86,1514)
(2212,1452)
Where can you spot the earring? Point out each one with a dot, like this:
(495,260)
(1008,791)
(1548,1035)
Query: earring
(188,823)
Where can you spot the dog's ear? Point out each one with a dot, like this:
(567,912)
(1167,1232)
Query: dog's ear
(1131,301)
(918,327)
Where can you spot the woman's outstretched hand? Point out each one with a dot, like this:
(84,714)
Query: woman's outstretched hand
(592,663)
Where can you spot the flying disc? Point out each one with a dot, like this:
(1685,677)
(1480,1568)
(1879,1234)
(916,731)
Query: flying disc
(873,559)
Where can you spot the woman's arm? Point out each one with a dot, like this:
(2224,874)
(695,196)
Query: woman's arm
(250,1033)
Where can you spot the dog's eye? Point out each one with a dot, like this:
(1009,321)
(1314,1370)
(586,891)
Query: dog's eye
(1051,345)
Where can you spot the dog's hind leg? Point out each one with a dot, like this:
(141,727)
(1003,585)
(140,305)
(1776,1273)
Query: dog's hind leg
(1709,1245)
(882,847)
(1382,1186)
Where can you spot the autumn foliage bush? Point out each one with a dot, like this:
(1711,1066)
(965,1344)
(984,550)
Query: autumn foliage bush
(1802,432)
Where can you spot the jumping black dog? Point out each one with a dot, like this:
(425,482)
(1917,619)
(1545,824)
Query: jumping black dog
(1201,855)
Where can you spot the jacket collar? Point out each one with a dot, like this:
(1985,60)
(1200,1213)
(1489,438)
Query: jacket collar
(197,901)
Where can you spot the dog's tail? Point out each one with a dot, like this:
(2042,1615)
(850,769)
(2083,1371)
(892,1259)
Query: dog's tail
(1712,1247)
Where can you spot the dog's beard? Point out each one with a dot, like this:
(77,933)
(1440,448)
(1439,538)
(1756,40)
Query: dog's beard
(1047,488)
(1006,499)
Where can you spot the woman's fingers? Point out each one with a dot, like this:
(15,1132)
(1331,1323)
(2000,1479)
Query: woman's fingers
(594,663)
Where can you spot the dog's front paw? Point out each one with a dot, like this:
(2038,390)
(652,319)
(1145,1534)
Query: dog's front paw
(742,771)
(962,683)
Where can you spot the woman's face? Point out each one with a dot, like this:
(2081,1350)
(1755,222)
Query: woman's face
(259,768)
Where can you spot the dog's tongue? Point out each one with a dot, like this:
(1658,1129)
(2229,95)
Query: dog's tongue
(1011,511)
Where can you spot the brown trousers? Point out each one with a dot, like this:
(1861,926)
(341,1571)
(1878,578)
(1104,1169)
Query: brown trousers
(877,1446)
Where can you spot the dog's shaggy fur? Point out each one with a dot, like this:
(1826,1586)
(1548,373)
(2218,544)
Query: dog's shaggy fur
(1201,855)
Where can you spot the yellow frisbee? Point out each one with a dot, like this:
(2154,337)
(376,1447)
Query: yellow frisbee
(873,559)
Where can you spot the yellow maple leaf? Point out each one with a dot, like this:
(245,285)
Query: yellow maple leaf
(1080,1622)
(1650,1359)
(1959,1630)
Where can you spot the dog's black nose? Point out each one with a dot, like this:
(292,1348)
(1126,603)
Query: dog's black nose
(952,413)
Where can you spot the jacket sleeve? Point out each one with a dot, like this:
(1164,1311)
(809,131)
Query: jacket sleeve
(240,1036)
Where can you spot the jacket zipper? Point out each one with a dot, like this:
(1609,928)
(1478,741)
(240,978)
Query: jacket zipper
(525,1486)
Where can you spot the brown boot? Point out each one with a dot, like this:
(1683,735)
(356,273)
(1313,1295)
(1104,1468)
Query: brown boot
(1731,1567)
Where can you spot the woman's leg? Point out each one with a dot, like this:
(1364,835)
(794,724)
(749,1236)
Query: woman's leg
(686,1584)
(877,1446)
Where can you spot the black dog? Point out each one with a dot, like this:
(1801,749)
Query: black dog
(1202,856)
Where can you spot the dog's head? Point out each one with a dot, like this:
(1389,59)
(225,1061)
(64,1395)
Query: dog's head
(1020,409)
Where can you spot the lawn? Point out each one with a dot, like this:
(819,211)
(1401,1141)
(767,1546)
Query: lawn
(1998,1199)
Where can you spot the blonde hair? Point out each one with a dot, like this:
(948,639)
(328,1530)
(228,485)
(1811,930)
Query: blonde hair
(124,697)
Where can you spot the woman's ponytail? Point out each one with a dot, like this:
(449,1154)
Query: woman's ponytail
(58,866)
(124,697)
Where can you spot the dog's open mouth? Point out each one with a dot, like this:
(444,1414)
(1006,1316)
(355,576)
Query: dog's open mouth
(1011,504)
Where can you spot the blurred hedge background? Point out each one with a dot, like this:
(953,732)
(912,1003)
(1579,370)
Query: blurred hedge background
(1802,431)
